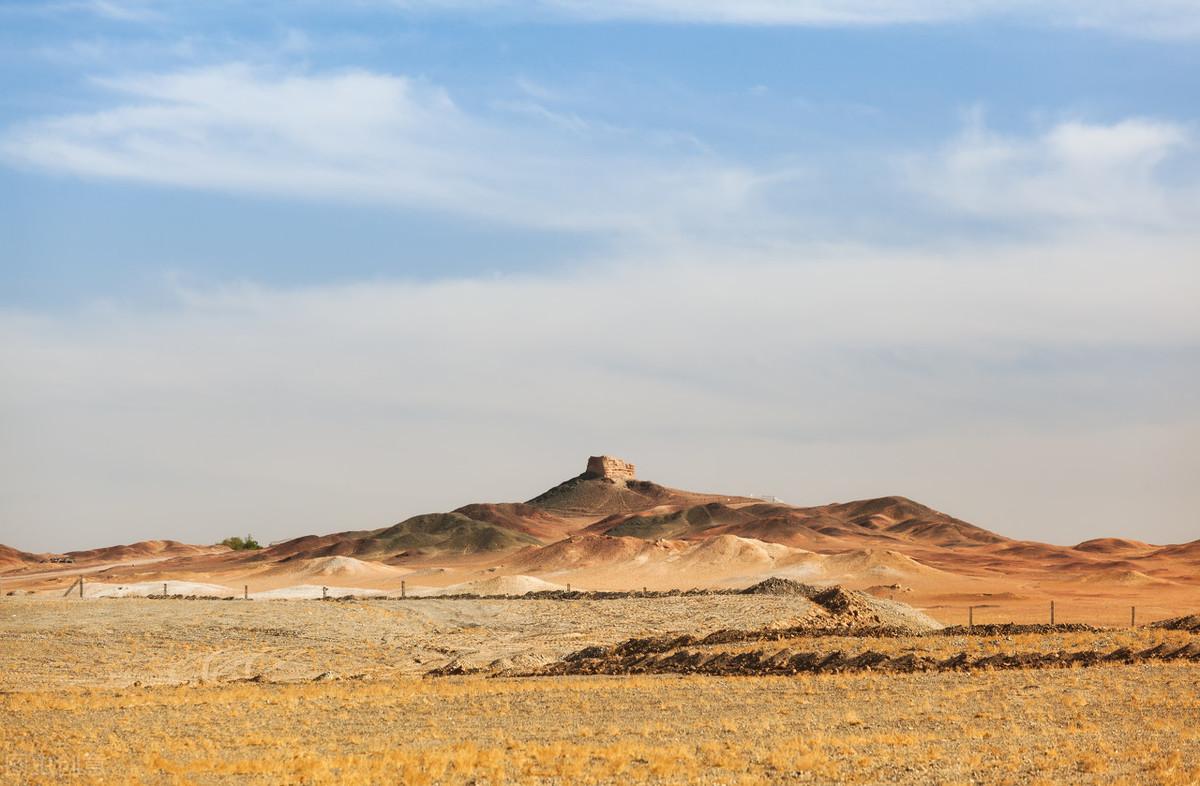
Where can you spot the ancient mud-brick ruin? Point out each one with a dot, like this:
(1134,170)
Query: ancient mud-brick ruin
(610,468)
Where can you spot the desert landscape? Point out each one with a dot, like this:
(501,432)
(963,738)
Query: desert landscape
(605,530)
(577,392)
(609,630)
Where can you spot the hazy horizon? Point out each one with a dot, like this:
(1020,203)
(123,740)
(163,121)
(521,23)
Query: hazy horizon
(307,268)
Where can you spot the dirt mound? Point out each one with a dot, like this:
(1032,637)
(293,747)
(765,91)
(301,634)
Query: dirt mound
(629,658)
(1013,629)
(778,586)
(336,567)
(1191,622)
(499,585)
(875,563)
(726,553)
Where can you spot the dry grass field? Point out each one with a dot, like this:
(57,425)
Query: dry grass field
(144,691)
(1114,724)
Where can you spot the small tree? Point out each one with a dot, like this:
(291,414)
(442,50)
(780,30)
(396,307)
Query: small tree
(241,544)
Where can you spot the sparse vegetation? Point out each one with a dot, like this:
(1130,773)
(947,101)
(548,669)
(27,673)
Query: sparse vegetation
(943,728)
(247,543)
(131,690)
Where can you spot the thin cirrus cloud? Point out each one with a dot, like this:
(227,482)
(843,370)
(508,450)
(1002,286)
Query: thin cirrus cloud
(388,139)
(380,138)
(1151,18)
(1159,18)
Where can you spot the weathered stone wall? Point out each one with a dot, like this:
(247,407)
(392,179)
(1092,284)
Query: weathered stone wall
(609,467)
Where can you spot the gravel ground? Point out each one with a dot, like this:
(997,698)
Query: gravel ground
(126,641)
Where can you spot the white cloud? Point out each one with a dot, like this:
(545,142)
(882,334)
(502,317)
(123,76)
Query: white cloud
(394,140)
(1072,171)
(358,135)
(815,375)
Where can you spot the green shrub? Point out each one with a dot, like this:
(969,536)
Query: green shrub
(241,544)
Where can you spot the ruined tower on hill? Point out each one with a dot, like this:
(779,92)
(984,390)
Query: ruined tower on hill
(609,468)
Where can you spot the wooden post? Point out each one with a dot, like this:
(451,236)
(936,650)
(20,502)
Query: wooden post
(164,589)
(1051,612)
(81,586)
(245,592)
(1133,616)
(970,617)
(568,588)
(403,591)
(645,591)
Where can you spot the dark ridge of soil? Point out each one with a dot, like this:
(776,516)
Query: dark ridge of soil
(567,595)
(778,586)
(788,661)
(1190,622)
(1012,628)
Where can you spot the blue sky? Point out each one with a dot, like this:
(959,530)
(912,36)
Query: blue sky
(302,251)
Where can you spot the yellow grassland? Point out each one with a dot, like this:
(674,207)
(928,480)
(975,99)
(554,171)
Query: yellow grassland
(1110,724)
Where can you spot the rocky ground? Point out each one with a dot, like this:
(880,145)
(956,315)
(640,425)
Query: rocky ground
(119,642)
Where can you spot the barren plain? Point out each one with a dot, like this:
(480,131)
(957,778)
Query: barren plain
(175,691)
(608,631)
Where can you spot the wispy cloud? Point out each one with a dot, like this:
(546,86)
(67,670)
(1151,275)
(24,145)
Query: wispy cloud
(1163,18)
(133,11)
(389,139)
(358,135)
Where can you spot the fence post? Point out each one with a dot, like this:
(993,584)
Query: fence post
(245,592)
(81,586)
(568,588)
(1051,612)
(1133,616)
(164,589)
(403,591)
(970,617)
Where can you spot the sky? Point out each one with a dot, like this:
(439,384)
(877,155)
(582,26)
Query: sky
(305,267)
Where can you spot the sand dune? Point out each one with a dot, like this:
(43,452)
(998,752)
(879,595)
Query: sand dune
(12,558)
(499,585)
(613,531)
(336,567)
(611,562)
(142,550)
(1113,546)
(876,563)
(1121,577)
